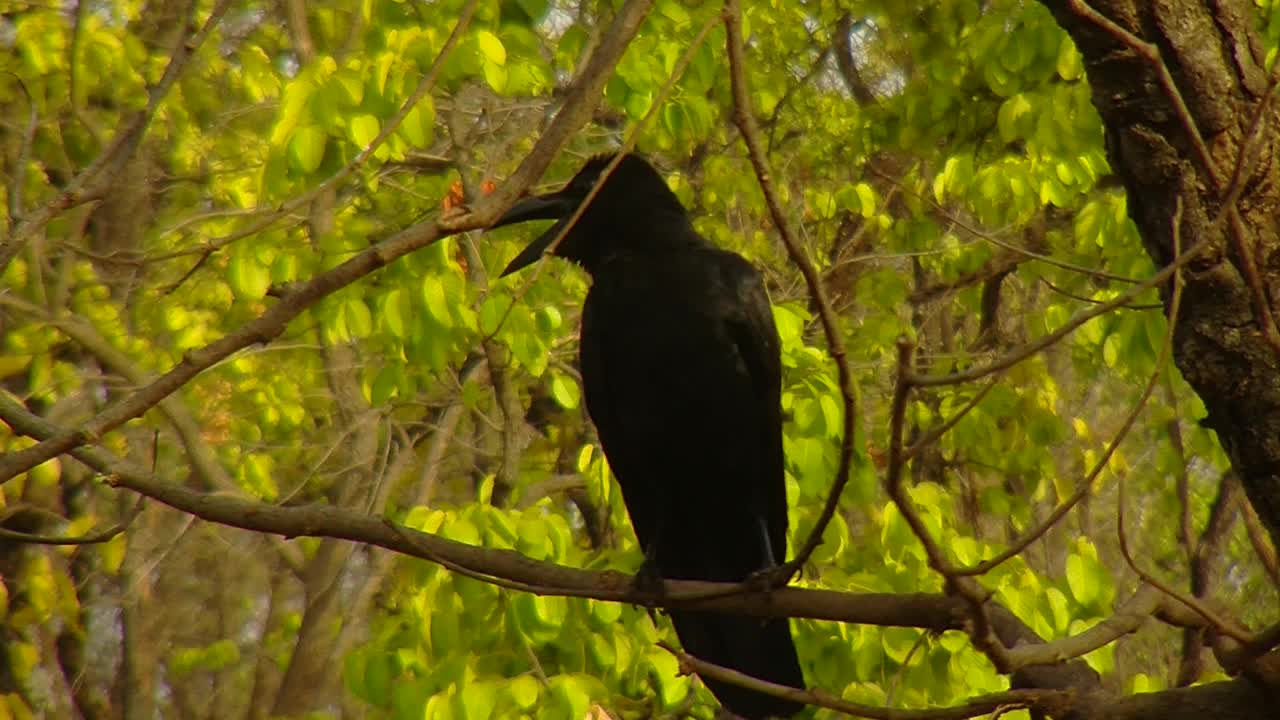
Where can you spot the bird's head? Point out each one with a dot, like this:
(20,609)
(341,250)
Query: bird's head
(632,192)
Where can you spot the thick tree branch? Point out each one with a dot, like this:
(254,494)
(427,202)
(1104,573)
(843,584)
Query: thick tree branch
(1184,92)
(933,612)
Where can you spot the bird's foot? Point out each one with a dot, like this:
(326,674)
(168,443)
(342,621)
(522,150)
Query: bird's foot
(648,583)
(771,578)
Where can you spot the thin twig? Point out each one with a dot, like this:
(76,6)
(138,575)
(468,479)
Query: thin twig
(982,705)
(1211,617)
(994,239)
(1149,52)
(934,434)
(981,631)
(1086,485)
(744,118)
(1175,304)
(1095,301)
(627,145)
(93,538)
(1007,361)
(18,182)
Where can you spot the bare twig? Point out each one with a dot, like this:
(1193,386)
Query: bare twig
(1221,625)
(982,705)
(981,631)
(1086,485)
(1035,346)
(1095,301)
(98,536)
(1175,303)
(1261,543)
(1204,555)
(1126,619)
(744,118)
(665,92)
(934,434)
(18,182)
(994,239)
(1151,53)
(929,611)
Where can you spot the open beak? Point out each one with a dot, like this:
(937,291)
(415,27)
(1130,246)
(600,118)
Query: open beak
(553,206)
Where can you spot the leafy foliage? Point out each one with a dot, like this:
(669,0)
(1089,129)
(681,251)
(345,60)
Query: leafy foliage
(947,169)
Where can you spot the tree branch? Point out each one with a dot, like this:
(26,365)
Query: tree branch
(744,118)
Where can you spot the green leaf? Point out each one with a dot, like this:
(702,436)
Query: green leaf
(496,76)
(523,691)
(248,278)
(292,105)
(409,700)
(393,313)
(564,390)
(351,85)
(547,319)
(256,472)
(386,384)
(1069,65)
(477,700)
(433,297)
(363,128)
(356,316)
(1010,117)
(491,47)
(377,680)
(1082,578)
(306,149)
(492,312)
(419,124)
(665,671)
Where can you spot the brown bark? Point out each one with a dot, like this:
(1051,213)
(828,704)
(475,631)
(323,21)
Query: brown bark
(1197,144)
(1182,90)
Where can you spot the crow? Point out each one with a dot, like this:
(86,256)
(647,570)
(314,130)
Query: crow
(681,368)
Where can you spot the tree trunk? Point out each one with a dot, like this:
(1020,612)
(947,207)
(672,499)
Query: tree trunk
(1192,132)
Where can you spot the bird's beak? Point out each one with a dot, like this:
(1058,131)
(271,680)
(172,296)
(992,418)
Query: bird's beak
(553,206)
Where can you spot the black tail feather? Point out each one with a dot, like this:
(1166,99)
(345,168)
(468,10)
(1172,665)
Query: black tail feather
(758,647)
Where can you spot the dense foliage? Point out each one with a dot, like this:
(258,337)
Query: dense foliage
(946,171)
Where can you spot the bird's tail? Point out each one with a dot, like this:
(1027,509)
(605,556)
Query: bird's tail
(758,647)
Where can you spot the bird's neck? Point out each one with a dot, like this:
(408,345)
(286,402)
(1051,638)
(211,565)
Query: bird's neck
(655,235)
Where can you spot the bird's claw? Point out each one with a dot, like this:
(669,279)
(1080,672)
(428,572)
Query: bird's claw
(770,578)
(648,580)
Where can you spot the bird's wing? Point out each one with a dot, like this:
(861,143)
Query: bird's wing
(755,335)
(682,378)
(612,386)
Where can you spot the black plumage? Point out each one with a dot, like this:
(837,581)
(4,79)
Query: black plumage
(680,363)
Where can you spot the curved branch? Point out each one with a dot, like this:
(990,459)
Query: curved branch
(982,705)
(746,122)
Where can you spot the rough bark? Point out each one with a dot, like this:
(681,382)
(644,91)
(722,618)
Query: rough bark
(1183,92)
(1170,160)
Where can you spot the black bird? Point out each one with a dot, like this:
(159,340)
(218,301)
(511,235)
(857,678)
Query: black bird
(680,362)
